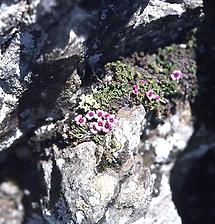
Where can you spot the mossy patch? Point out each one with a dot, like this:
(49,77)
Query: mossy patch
(155,70)
(128,82)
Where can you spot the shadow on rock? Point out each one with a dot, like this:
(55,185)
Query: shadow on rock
(19,166)
(193,176)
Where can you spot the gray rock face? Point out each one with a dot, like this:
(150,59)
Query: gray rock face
(131,122)
(86,195)
(22,39)
(33,58)
(193,176)
(159,147)
(11,206)
(170,137)
(140,30)
(162,208)
(44,46)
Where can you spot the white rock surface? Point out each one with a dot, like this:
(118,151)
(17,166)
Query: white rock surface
(161,209)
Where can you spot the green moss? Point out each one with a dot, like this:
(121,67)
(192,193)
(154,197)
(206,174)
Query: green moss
(119,92)
(156,71)
(112,96)
(99,139)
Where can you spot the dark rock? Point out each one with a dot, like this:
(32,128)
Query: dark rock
(193,176)
(193,180)
(204,109)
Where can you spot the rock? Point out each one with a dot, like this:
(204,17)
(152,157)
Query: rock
(139,27)
(171,136)
(34,58)
(162,208)
(193,178)
(80,192)
(22,39)
(42,44)
(128,131)
(159,147)
(134,196)
(12,210)
(86,196)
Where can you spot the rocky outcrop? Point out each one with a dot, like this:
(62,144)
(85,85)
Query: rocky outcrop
(89,197)
(192,179)
(51,52)
(159,147)
(36,63)
(22,41)
(78,191)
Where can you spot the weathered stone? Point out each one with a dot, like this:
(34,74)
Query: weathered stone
(12,210)
(86,196)
(192,179)
(134,196)
(82,31)
(22,39)
(162,208)
(158,147)
(128,131)
(172,136)
(42,43)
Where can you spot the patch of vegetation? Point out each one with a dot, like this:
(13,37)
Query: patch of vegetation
(155,81)
(129,86)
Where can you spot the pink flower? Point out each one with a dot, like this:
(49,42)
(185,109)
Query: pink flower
(136,86)
(150,94)
(99,125)
(112,120)
(176,75)
(80,120)
(99,114)
(135,91)
(90,115)
(106,115)
(143,81)
(156,97)
(93,128)
(107,127)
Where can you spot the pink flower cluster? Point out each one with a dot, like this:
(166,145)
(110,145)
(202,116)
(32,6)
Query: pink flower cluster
(152,96)
(150,93)
(137,86)
(98,121)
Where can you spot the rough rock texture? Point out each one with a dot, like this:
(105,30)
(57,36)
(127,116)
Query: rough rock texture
(83,194)
(162,209)
(171,136)
(22,40)
(11,206)
(146,26)
(159,147)
(193,176)
(204,109)
(45,46)
(34,59)
(131,122)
